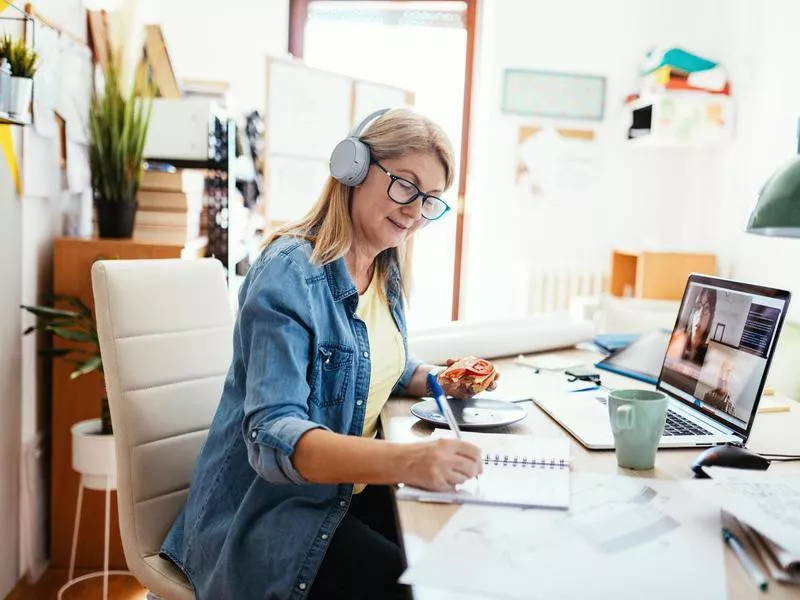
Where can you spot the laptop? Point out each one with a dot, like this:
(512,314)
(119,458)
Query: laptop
(713,372)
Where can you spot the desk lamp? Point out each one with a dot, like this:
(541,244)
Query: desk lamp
(777,210)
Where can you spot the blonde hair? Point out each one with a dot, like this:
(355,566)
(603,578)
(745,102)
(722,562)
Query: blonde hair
(327,225)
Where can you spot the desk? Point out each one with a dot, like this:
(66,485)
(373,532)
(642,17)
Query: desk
(420,522)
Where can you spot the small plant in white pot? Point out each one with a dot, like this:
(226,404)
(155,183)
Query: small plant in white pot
(24,62)
(93,452)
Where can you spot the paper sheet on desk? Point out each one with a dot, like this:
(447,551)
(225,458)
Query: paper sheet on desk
(628,537)
(767,502)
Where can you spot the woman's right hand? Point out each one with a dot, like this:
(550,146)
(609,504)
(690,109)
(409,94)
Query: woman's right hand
(440,465)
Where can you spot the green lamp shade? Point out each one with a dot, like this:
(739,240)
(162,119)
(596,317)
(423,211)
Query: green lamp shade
(777,210)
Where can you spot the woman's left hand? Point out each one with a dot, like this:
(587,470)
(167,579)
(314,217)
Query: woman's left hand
(456,390)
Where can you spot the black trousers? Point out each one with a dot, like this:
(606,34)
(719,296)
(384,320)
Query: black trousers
(364,559)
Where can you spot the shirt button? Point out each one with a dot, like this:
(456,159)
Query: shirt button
(366,354)
(342,503)
(359,402)
(302,586)
(253,434)
(324,536)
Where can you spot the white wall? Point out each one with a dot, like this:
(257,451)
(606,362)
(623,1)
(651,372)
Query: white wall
(27,229)
(769,100)
(654,197)
(10,365)
(226,41)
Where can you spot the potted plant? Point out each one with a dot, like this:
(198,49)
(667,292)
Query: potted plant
(117,132)
(23,62)
(75,325)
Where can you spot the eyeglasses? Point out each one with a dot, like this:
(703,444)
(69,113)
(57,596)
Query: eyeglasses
(402,191)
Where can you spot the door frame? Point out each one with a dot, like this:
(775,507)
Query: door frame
(298,16)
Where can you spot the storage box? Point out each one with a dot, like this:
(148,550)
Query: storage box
(656,275)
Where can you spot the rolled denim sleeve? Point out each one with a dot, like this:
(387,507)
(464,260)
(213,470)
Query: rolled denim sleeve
(275,333)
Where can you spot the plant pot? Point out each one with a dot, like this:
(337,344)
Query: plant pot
(19,95)
(93,455)
(5,86)
(115,219)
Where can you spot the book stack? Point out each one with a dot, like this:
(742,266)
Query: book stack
(170,206)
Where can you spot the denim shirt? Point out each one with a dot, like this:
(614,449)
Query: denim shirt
(252,527)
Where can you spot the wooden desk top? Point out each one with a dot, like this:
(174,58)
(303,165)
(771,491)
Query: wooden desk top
(420,522)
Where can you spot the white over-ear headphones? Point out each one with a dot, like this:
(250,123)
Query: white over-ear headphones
(350,158)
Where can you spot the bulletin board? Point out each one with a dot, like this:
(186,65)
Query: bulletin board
(308,112)
(554,94)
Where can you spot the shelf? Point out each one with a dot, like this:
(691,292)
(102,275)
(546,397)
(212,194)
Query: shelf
(681,120)
(7,119)
(191,163)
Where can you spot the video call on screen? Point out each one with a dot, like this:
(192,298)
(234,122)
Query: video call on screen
(718,351)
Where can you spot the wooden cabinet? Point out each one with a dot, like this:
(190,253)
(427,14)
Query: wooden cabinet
(656,275)
(79,399)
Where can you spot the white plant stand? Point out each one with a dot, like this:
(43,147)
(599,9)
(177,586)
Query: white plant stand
(93,456)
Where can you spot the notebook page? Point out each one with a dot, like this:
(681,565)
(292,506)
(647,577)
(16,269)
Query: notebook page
(508,482)
(506,447)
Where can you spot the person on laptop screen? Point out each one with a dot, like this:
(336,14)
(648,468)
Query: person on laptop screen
(720,397)
(689,341)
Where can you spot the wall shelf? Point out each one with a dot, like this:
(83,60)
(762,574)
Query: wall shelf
(7,119)
(681,119)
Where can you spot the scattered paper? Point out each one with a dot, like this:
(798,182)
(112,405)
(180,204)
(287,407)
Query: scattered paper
(654,532)
(767,502)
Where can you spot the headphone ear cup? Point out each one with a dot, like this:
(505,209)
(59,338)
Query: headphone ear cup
(349,162)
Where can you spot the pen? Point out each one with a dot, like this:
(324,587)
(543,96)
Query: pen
(443,404)
(586,389)
(747,563)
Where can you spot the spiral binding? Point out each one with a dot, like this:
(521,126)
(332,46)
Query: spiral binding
(538,462)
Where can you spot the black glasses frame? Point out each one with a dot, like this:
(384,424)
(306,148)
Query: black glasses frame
(419,193)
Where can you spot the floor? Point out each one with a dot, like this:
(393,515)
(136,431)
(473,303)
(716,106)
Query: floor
(120,587)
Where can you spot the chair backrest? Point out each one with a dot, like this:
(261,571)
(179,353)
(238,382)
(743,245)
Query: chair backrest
(165,331)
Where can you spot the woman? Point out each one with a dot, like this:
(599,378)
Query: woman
(689,343)
(319,345)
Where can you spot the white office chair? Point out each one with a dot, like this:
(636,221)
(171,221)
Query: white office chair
(165,330)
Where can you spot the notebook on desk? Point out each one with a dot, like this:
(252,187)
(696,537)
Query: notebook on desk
(518,471)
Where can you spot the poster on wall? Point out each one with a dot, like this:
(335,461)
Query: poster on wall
(553,94)
(555,162)
(75,89)
(46,81)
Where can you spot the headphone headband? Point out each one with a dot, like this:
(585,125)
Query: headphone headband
(362,125)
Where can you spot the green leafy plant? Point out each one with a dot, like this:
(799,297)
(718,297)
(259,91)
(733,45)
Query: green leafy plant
(75,325)
(22,59)
(118,125)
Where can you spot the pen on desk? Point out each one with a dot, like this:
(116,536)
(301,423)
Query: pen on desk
(747,563)
(586,389)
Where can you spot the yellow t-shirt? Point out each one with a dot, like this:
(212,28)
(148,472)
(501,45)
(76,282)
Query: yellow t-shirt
(388,357)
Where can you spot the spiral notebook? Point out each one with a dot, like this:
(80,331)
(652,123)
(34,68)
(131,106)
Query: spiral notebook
(518,470)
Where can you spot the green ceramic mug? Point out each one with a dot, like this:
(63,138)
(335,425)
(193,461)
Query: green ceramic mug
(637,420)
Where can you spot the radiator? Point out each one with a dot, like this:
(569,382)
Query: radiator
(552,290)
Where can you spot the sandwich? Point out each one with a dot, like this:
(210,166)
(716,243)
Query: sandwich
(470,374)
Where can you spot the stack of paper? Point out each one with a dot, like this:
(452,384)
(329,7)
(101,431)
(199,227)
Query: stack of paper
(767,508)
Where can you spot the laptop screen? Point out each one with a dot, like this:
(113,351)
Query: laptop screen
(721,347)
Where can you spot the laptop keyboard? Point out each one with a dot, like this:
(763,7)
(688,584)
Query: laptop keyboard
(678,425)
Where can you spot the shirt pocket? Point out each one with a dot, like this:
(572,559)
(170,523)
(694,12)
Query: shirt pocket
(333,373)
